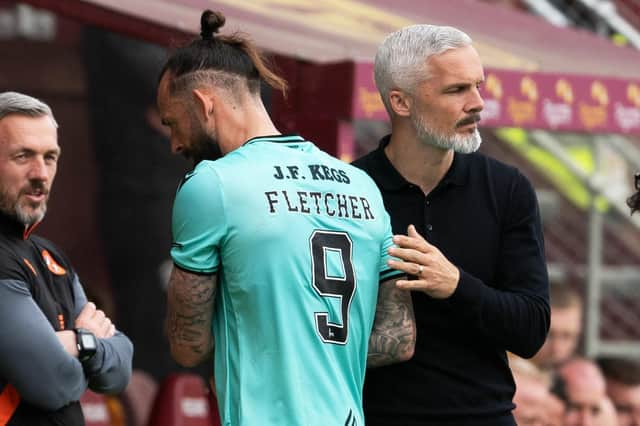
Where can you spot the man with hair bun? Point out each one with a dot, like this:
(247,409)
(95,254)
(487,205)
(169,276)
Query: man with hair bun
(279,248)
(474,240)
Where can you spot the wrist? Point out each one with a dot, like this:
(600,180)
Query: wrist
(86,343)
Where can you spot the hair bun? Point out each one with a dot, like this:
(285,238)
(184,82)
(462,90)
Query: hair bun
(210,23)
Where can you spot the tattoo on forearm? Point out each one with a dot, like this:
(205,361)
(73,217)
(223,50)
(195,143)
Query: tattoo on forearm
(190,311)
(394,332)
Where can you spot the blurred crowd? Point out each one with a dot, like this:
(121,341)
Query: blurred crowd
(561,387)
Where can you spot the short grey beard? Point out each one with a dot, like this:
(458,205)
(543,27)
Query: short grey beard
(19,214)
(459,143)
(30,219)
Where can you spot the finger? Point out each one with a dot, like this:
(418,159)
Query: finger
(112,331)
(106,326)
(409,255)
(99,316)
(87,312)
(412,242)
(407,267)
(412,285)
(413,232)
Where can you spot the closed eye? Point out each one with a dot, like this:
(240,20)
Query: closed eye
(456,89)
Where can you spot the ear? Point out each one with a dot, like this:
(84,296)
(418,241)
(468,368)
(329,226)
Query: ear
(204,102)
(400,102)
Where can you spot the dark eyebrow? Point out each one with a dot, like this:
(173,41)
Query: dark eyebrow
(463,84)
(456,85)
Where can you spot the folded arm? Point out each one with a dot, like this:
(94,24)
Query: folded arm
(34,359)
(109,370)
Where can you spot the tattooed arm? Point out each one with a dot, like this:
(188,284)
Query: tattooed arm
(393,337)
(190,299)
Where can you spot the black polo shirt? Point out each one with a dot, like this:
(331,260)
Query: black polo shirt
(483,216)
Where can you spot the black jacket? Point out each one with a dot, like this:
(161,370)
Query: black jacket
(40,294)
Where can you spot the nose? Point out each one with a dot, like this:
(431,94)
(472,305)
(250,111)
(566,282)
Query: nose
(176,146)
(587,420)
(475,103)
(38,170)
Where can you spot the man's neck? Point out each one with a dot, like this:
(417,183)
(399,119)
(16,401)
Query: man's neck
(419,163)
(253,121)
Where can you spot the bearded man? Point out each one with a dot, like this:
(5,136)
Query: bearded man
(473,240)
(54,343)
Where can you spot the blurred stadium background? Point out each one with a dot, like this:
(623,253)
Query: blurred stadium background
(562,103)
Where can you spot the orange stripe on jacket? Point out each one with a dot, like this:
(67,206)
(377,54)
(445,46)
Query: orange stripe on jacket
(9,400)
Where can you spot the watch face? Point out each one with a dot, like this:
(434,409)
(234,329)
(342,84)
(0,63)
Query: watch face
(88,341)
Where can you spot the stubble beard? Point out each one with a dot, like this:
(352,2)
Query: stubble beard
(24,212)
(204,146)
(463,144)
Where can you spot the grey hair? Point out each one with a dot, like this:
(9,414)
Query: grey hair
(17,103)
(401,58)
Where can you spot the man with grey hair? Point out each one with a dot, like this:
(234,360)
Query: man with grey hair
(480,285)
(54,343)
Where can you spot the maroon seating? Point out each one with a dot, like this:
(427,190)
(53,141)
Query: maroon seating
(138,398)
(95,409)
(215,413)
(183,400)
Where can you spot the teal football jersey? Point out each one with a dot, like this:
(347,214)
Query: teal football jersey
(298,240)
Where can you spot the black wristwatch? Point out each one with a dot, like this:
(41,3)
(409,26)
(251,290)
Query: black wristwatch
(86,342)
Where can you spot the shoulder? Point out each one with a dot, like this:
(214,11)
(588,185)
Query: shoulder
(354,175)
(485,163)
(200,193)
(504,181)
(360,174)
(201,179)
(493,171)
(12,264)
(16,261)
(366,162)
(45,244)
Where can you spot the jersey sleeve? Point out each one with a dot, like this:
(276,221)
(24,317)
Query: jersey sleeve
(386,272)
(198,223)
